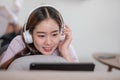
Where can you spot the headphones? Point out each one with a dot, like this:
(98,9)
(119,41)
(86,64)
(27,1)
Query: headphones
(26,34)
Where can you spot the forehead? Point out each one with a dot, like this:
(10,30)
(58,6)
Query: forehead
(47,24)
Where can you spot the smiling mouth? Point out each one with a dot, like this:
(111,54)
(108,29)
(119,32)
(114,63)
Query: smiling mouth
(47,49)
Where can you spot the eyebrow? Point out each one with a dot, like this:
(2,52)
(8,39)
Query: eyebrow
(55,31)
(51,32)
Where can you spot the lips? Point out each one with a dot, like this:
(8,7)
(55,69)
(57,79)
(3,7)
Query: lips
(47,49)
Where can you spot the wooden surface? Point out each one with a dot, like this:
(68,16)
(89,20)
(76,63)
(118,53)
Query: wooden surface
(58,75)
(111,60)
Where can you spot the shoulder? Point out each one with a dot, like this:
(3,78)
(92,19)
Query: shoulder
(17,40)
(18,37)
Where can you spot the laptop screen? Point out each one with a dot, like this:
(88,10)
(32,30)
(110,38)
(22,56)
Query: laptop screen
(63,66)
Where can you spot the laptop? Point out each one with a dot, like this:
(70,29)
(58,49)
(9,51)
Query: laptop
(63,66)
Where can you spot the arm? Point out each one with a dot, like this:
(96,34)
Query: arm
(15,46)
(70,54)
(73,54)
(65,49)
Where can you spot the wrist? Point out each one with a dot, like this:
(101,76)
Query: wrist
(66,55)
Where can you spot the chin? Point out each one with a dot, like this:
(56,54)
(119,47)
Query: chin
(47,53)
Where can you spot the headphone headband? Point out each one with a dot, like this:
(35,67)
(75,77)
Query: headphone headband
(45,5)
(42,5)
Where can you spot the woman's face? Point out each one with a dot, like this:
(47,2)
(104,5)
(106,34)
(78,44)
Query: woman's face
(46,36)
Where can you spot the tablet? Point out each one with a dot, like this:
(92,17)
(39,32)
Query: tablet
(63,66)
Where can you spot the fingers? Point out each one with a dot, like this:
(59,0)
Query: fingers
(67,37)
(67,31)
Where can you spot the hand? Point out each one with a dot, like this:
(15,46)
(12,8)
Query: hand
(64,45)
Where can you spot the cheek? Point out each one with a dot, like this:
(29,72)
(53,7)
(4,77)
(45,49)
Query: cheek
(37,42)
(57,39)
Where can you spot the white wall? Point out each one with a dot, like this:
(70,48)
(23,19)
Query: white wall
(95,24)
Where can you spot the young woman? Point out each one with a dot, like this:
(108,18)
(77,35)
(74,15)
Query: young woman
(41,35)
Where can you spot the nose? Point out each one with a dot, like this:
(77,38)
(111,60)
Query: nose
(48,41)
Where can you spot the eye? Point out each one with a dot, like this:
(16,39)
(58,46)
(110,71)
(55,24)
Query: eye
(41,36)
(55,34)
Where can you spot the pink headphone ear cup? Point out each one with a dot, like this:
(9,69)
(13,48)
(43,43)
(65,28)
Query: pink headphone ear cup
(27,37)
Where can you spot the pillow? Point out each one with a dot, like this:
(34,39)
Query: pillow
(23,63)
